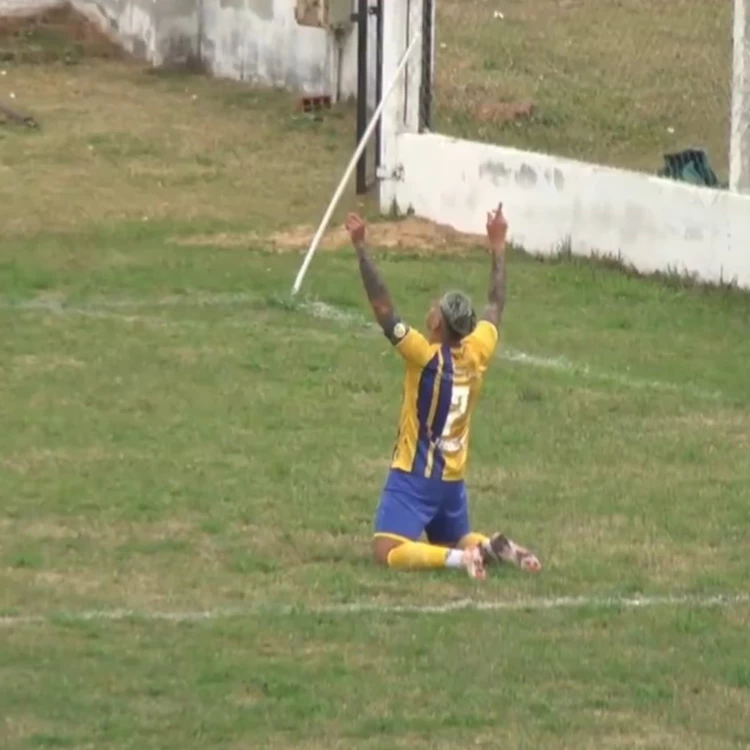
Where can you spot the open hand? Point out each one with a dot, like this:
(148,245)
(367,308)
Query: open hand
(497,229)
(357,228)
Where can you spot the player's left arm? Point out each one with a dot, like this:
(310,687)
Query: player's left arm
(377,291)
(485,336)
(497,230)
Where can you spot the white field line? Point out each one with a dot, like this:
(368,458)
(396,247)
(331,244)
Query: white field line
(561,364)
(59,305)
(376,608)
(105,308)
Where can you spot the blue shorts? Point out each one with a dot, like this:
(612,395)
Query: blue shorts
(410,505)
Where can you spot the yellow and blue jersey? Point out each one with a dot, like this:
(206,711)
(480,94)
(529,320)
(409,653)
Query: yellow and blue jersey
(441,387)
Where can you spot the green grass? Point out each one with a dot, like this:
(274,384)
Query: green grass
(403,682)
(177,436)
(160,455)
(616,83)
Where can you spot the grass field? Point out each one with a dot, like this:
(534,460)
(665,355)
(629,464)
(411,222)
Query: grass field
(618,83)
(189,463)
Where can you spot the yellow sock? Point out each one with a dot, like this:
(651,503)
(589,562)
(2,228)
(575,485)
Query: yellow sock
(471,539)
(417,556)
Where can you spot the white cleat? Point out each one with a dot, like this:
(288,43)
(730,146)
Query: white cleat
(501,549)
(473,561)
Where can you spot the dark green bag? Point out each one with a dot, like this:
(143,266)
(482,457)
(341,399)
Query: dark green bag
(689,166)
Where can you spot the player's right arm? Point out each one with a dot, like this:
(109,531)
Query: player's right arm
(411,345)
(377,292)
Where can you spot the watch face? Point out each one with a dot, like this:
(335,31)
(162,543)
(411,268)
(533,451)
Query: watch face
(399,331)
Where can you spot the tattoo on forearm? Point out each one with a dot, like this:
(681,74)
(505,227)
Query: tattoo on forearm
(497,281)
(377,291)
(496,294)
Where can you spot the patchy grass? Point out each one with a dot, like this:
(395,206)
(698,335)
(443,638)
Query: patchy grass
(617,83)
(177,434)
(158,148)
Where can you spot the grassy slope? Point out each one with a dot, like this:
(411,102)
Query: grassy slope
(617,83)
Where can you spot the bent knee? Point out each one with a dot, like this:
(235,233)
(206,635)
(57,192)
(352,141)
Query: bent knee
(381,548)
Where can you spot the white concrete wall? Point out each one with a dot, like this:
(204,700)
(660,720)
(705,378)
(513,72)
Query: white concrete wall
(260,40)
(651,223)
(250,40)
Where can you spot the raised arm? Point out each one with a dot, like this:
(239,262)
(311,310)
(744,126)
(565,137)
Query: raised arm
(377,291)
(497,231)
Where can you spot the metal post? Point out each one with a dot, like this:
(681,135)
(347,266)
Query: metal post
(425,88)
(363,18)
(739,160)
(378,78)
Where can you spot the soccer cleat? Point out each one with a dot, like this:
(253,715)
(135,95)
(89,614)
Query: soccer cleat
(473,561)
(501,549)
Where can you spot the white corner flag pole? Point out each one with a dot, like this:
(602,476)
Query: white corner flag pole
(350,168)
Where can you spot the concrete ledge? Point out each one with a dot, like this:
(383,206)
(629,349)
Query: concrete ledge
(649,223)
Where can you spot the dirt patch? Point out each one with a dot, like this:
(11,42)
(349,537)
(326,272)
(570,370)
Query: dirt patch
(411,235)
(23,727)
(36,460)
(40,363)
(56,35)
(499,113)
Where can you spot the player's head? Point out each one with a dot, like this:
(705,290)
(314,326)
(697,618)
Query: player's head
(451,318)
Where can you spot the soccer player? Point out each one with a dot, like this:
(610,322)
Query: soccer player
(425,491)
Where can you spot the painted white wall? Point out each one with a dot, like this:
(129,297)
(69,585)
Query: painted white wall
(651,223)
(261,41)
(252,40)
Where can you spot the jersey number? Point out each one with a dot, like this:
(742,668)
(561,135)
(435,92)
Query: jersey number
(459,407)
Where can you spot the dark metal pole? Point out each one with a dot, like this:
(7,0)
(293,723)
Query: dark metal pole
(378,78)
(425,95)
(362,28)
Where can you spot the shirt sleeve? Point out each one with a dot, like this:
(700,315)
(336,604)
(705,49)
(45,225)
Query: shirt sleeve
(483,340)
(412,345)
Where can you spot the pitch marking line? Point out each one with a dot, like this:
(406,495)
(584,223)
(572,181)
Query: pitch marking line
(560,364)
(105,309)
(376,608)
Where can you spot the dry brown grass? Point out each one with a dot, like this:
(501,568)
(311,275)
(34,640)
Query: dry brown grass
(412,234)
(120,143)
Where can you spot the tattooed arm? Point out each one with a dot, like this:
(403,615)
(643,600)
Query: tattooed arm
(493,312)
(497,230)
(377,291)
